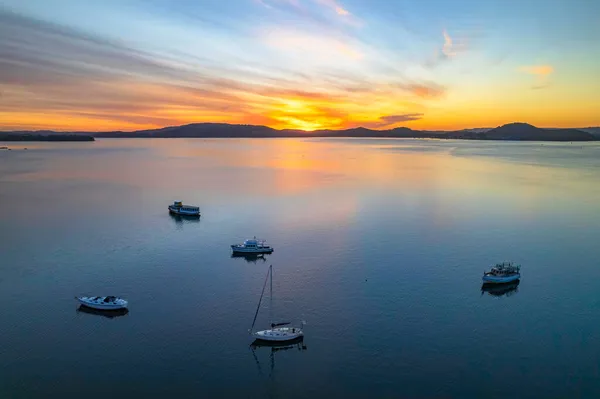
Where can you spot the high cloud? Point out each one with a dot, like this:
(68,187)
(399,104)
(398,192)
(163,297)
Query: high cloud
(447,49)
(312,10)
(451,48)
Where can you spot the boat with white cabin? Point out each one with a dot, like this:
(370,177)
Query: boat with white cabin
(252,246)
(103,302)
(178,208)
(502,273)
(282,331)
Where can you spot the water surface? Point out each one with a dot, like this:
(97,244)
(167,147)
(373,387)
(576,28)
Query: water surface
(379,245)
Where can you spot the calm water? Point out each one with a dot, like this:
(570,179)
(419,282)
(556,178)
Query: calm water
(379,246)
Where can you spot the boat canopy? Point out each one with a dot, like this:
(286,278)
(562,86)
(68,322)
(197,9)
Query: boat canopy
(273,325)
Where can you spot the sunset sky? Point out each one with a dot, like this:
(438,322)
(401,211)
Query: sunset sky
(302,64)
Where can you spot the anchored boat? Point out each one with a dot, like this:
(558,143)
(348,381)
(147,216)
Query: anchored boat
(502,273)
(103,302)
(178,208)
(282,331)
(252,246)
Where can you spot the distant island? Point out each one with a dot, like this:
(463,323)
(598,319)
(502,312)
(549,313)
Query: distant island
(511,131)
(45,136)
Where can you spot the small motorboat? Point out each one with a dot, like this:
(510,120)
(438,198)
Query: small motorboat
(502,273)
(103,302)
(252,246)
(178,208)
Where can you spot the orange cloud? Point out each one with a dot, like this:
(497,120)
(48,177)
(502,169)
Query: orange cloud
(539,70)
(388,121)
(430,90)
(341,11)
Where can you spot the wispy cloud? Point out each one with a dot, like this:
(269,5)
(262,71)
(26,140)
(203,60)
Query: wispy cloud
(424,90)
(450,48)
(541,86)
(340,10)
(388,121)
(539,70)
(313,11)
(542,74)
(303,43)
(447,49)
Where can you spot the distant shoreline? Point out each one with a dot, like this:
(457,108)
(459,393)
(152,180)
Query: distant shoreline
(55,137)
(508,132)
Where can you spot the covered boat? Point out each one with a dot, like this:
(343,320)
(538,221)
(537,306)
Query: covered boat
(252,246)
(103,302)
(502,273)
(178,208)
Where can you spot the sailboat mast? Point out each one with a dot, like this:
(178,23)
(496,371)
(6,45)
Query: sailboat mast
(271,296)
(261,297)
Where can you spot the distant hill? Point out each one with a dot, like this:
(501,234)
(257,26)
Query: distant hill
(592,130)
(44,136)
(525,131)
(511,131)
(225,130)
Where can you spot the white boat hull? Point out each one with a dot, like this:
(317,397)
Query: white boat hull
(91,303)
(183,212)
(488,279)
(279,334)
(243,250)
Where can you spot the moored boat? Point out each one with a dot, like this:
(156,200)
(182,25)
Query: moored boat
(252,246)
(279,332)
(103,302)
(502,273)
(178,208)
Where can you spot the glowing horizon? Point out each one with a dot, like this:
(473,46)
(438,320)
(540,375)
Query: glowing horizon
(297,64)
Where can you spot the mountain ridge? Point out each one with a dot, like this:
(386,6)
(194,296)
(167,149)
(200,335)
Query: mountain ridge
(511,131)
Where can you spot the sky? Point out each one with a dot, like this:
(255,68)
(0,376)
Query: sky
(300,64)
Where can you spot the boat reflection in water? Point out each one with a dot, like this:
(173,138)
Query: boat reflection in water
(275,346)
(250,258)
(499,290)
(111,314)
(180,220)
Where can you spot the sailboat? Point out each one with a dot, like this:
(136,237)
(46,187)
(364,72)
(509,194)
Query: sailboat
(279,331)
